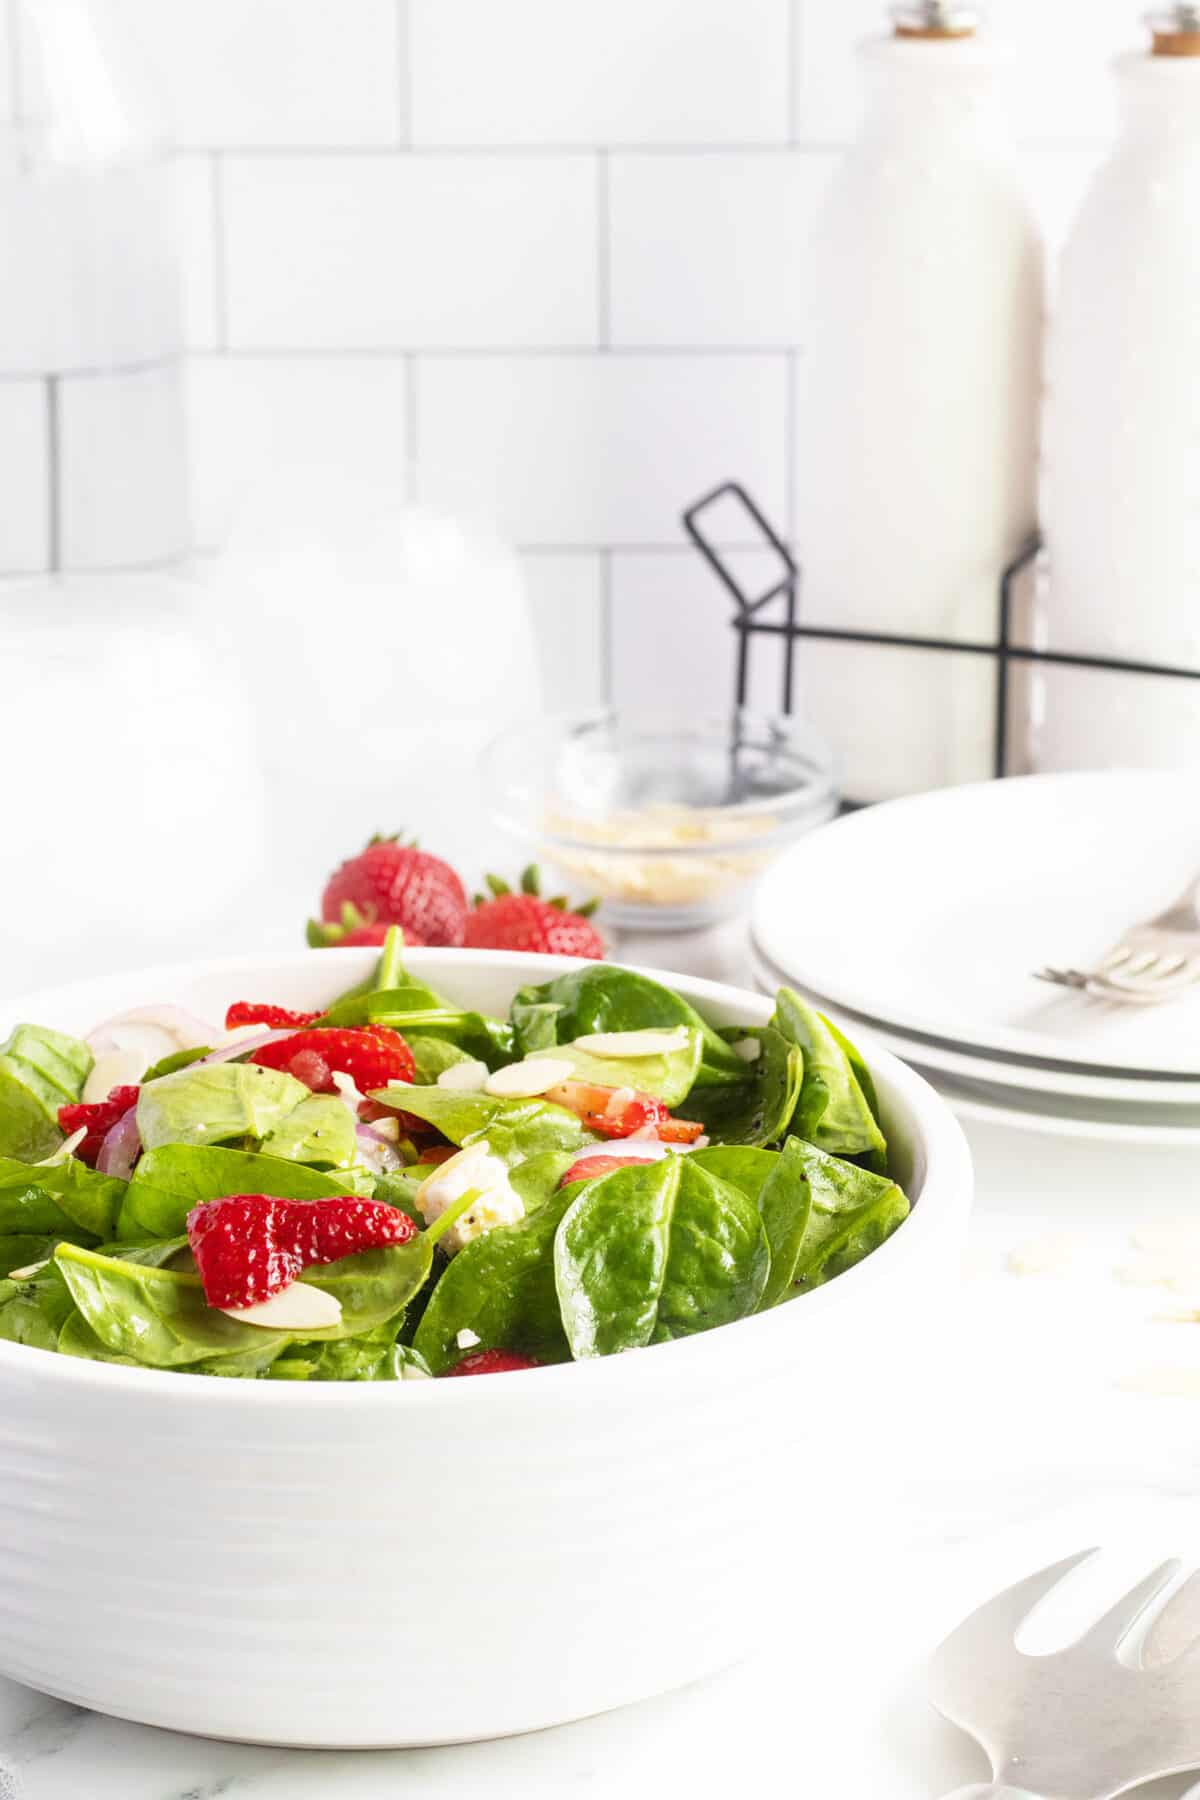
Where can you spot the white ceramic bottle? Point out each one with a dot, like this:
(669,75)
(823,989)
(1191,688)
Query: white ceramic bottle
(918,403)
(1121,486)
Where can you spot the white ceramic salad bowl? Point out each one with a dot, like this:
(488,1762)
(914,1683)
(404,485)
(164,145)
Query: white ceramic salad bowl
(424,1562)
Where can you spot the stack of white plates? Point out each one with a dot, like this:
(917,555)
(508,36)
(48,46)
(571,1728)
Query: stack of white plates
(923,920)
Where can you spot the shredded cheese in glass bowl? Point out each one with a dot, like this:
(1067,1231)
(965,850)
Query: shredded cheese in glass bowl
(667,818)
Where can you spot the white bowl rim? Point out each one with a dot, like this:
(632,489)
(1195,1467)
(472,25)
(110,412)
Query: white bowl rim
(943,1197)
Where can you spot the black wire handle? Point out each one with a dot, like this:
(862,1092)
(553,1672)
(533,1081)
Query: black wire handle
(1003,651)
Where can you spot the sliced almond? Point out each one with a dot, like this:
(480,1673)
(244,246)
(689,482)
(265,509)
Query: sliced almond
(650,1042)
(526,1080)
(29,1271)
(464,1077)
(116,1068)
(300,1307)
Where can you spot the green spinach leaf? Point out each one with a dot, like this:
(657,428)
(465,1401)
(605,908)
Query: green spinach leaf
(514,1129)
(853,1212)
(321,1131)
(179,1059)
(670,1078)
(169,1181)
(33,1312)
(216,1102)
(40,1070)
(373,1357)
(603,998)
(387,973)
(834,1113)
(160,1317)
(502,1287)
(61,1197)
(433,1055)
(760,1108)
(655,1252)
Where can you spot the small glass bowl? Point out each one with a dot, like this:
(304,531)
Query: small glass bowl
(666,817)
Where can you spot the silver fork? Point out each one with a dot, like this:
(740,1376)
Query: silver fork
(1078,1724)
(1153,961)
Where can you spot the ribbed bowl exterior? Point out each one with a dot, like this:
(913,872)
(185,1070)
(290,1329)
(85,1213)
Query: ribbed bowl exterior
(431,1562)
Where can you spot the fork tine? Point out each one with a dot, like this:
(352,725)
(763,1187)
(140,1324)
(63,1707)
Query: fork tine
(1116,957)
(1001,1617)
(1177,1627)
(1071,978)
(1113,1627)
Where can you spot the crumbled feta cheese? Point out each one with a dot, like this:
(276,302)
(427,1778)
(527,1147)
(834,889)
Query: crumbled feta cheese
(468,1339)
(526,1080)
(464,1077)
(474,1169)
(748,1048)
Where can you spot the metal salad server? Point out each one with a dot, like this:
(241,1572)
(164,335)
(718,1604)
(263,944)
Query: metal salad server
(1078,1724)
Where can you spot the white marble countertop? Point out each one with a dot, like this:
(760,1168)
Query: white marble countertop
(1043,1438)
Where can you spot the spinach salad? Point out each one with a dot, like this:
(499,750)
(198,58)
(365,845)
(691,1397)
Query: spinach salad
(398,1187)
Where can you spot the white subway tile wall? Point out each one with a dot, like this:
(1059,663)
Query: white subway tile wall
(542,255)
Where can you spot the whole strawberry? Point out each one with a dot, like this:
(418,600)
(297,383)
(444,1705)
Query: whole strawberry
(525,921)
(391,883)
(354,931)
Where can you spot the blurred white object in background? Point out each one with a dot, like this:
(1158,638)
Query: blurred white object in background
(387,648)
(91,419)
(133,802)
(917,418)
(1122,448)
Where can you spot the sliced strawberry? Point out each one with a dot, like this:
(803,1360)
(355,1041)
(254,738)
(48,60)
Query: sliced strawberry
(591,1168)
(98,1118)
(492,1362)
(372,1056)
(250,1246)
(437,1153)
(619,1112)
(678,1131)
(275,1018)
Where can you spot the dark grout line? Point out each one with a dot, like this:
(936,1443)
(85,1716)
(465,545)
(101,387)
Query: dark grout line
(603,253)
(620,548)
(789,446)
(306,152)
(494,352)
(54,522)
(785,146)
(220,256)
(404,80)
(411,431)
(606,625)
(792,51)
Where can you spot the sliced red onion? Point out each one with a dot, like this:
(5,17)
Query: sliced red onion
(244,1047)
(121,1147)
(185,1027)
